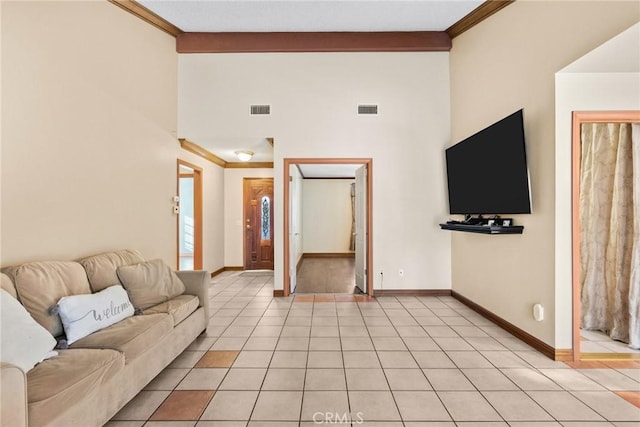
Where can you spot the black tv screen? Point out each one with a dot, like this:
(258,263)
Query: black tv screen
(487,172)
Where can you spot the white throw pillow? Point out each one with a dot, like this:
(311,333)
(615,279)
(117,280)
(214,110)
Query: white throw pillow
(24,342)
(84,314)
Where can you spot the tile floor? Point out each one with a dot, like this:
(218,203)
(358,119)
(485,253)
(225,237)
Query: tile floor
(391,361)
(599,342)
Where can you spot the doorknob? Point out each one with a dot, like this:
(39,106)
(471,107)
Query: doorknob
(248,227)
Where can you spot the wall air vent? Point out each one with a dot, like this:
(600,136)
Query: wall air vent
(261,110)
(367,110)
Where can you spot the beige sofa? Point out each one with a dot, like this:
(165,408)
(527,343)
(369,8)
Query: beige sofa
(88,383)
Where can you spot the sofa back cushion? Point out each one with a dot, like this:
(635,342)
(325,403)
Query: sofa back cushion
(7,285)
(101,268)
(40,285)
(150,283)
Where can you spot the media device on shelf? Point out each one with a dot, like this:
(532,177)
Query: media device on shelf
(487,172)
(487,175)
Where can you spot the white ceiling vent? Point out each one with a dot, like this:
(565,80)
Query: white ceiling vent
(261,110)
(367,110)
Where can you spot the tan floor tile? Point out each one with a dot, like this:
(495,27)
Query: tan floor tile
(324,344)
(203,379)
(168,379)
(360,359)
(289,359)
(278,406)
(366,379)
(230,405)
(332,402)
(183,405)
(407,379)
(293,343)
(570,379)
(610,405)
(261,343)
(217,359)
(170,424)
(187,359)
(433,359)
(420,344)
(226,343)
(396,359)
(489,379)
(253,359)
(468,359)
(388,343)
(284,379)
(325,379)
(374,405)
(447,379)
(243,379)
(420,406)
(325,359)
(142,406)
(612,379)
(562,406)
(516,406)
(452,343)
(356,344)
(468,406)
(530,379)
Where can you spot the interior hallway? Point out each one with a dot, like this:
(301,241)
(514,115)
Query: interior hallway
(326,275)
(394,361)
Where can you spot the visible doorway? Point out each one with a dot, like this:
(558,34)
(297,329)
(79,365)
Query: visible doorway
(601,215)
(189,216)
(258,223)
(360,170)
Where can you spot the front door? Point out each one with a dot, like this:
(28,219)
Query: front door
(258,224)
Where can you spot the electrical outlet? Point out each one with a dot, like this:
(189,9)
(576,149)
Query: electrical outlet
(401,272)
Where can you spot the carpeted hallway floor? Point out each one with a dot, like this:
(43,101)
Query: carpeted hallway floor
(326,275)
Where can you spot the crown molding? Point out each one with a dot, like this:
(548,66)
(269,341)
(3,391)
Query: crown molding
(397,41)
(146,15)
(194,148)
(476,16)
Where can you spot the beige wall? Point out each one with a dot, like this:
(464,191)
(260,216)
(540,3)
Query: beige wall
(212,211)
(579,88)
(233,205)
(314,98)
(326,215)
(505,63)
(89,107)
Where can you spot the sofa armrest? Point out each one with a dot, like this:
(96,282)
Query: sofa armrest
(197,283)
(13,396)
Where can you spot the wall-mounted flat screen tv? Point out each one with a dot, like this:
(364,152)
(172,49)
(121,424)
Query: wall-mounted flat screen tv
(487,172)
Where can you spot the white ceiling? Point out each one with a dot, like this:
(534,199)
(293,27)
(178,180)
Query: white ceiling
(311,15)
(329,170)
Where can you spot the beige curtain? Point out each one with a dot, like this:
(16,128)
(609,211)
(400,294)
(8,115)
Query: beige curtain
(634,293)
(607,230)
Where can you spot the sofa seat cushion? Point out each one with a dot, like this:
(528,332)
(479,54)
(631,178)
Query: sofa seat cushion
(61,382)
(179,307)
(132,336)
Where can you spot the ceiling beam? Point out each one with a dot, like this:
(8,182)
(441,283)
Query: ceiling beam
(146,15)
(396,41)
(476,16)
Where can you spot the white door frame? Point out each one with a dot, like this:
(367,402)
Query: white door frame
(368,162)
